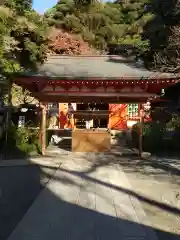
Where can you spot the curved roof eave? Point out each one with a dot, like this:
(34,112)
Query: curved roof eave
(101,67)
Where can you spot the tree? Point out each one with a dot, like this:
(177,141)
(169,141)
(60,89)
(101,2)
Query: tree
(134,17)
(23,45)
(101,23)
(23,40)
(162,32)
(21,6)
(22,96)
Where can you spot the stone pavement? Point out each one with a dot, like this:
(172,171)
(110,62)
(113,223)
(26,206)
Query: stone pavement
(84,201)
(157,179)
(52,159)
(19,187)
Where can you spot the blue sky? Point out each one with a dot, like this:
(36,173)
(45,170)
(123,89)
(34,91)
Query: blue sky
(42,5)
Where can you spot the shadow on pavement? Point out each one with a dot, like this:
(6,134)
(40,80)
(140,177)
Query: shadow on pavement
(161,167)
(162,206)
(65,144)
(19,187)
(56,219)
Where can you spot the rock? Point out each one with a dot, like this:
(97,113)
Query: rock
(145,154)
(117,153)
(114,141)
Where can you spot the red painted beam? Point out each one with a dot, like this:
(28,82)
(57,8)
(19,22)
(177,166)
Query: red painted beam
(37,84)
(87,99)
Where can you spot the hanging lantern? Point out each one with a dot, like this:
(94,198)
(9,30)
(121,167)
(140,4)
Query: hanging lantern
(147,106)
(24,110)
(162,91)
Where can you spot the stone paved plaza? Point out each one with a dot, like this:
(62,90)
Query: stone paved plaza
(100,196)
(87,198)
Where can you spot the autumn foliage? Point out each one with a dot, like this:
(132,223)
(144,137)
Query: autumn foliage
(67,44)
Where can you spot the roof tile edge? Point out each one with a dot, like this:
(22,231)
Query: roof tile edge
(78,56)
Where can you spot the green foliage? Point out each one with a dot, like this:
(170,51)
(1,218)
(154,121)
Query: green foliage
(152,27)
(152,136)
(22,140)
(27,140)
(163,34)
(19,5)
(72,24)
(158,137)
(23,39)
(174,123)
(23,45)
(136,41)
(102,23)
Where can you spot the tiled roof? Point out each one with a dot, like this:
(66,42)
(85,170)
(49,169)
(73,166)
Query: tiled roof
(105,67)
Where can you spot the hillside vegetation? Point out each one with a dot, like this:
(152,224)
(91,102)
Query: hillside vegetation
(101,24)
(151,26)
(61,42)
(22,36)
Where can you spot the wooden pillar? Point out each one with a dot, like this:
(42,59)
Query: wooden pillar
(59,110)
(74,124)
(141,132)
(8,116)
(43,130)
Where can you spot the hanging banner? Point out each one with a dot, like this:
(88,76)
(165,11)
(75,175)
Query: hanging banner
(117,116)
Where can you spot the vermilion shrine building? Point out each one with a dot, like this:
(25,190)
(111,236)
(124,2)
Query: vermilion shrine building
(116,86)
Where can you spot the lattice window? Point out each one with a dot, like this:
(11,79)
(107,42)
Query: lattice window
(21,121)
(133,110)
(52,105)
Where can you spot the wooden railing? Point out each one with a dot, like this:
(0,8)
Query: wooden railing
(87,114)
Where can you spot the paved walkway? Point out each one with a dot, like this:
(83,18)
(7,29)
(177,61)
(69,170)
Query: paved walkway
(86,199)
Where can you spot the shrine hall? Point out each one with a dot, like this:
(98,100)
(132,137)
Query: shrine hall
(108,91)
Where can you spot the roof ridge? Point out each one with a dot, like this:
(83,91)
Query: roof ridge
(78,56)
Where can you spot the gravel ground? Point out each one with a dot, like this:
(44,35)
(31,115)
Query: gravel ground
(19,187)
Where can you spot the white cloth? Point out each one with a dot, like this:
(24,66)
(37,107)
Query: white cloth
(55,139)
(88,124)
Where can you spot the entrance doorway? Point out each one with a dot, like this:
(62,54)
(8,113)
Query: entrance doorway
(97,113)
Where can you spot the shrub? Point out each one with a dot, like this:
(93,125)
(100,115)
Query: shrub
(22,140)
(152,136)
(158,137)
